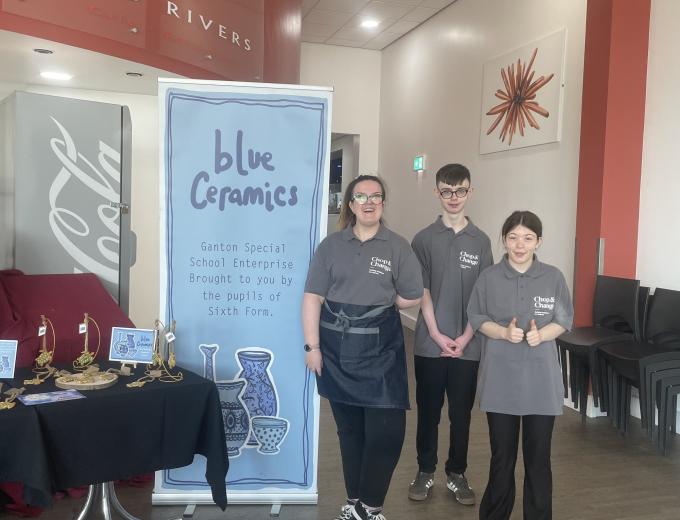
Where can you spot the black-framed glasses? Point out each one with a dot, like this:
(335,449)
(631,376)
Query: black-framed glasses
(363,198)
(461,193)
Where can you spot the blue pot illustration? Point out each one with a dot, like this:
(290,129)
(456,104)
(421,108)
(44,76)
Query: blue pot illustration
(260,394)
(234,414)
(269,432)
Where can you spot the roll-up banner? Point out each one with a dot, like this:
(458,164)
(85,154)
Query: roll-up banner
(244,196)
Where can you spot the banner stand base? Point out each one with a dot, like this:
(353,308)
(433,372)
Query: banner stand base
(182,499)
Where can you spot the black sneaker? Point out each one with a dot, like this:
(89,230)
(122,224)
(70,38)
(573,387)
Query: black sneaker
(421,485)
(461,489)
(359,513)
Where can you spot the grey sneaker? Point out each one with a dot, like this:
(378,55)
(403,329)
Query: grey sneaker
(345,513)
(421,485)
(461,489)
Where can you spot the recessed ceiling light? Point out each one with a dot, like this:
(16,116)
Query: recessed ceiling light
(370,24)
(134,74)
(43,51)
(60,76)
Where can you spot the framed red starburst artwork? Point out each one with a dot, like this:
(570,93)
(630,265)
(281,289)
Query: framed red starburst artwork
(522,96)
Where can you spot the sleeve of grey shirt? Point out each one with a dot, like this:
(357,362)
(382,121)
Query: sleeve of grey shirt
(476,309)
(319,274)
(409,279)
(564,310)
(487,256)
(423,255)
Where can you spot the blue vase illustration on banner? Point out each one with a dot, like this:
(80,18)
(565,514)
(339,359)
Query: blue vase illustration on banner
(260,394)
(234,414)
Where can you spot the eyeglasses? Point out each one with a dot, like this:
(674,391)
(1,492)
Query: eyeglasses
(363,198)
(461,193)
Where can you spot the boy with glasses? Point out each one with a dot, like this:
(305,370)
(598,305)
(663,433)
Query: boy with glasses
(452,252)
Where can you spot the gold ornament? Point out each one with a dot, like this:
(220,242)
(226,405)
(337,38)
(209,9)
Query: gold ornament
(86,357)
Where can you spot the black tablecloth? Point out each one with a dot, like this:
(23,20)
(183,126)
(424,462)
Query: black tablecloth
(22,454)
(120,432)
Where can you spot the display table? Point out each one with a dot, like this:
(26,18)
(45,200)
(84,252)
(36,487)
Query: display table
(113,434)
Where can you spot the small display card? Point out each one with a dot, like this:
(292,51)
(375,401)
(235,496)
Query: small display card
(8,357)
(132,345)
(42,330)
(169,337)
(50,397)
(82,328)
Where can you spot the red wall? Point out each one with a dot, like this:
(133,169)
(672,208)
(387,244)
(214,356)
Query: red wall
(201,39)
(612,125)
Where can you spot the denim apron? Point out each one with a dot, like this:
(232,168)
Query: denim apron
(364,360)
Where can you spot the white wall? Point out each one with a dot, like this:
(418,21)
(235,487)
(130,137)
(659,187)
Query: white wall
(431,102)
(355,76)
(658,234)
(144,275)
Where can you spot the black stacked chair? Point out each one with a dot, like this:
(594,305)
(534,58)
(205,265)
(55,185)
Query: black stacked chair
(613,385)
(615,318)
(668,411)
(625,367)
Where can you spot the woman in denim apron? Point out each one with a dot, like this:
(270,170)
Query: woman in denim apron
(358,280)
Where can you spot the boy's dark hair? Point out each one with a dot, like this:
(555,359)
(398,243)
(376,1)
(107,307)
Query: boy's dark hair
(453,174)
(523,218)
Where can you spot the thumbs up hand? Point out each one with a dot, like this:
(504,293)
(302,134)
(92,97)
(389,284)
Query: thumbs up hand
(533,335)
(512,333)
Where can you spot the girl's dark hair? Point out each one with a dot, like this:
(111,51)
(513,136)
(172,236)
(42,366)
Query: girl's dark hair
(347,218)
(523,218)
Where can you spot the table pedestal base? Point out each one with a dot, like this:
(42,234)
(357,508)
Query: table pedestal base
(106,494)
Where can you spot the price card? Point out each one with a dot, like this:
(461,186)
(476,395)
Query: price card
(169,337)
(82,328)
(42,330)
(132,345)
(8,357)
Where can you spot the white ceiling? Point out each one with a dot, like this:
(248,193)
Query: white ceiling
(20,65)
(338,22)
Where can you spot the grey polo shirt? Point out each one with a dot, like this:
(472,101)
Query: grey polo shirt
(373,272)
(451,264)
(515,378)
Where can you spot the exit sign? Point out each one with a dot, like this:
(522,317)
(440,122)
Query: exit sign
(419,163)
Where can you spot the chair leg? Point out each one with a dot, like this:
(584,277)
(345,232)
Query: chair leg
(656,405)
(663,411)
(574,379)
(583,390)
(626,407)
(611,411)
(565,370)
(604,384)
(669,416)
(642,395)
(594,376)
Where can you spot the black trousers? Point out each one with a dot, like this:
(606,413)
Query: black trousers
(499,496)
(370,444)
(457,378)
